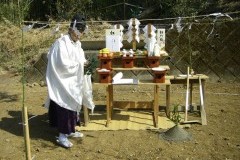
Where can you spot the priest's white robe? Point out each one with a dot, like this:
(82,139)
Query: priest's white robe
(65,71)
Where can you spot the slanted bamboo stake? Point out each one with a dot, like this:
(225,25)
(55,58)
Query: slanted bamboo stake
(202,108)
(187,94)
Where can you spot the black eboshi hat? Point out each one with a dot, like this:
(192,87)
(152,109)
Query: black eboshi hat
(80,22)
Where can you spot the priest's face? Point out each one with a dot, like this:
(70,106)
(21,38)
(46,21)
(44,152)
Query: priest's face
(75,34)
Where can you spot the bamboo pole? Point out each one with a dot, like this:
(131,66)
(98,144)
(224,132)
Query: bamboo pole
(24,108)
(26,133)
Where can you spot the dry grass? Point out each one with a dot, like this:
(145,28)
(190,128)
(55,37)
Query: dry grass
(11,45)
(35,42)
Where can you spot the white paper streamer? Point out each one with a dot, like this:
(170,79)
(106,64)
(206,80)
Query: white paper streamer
(137,22)
(150,41)
(217,15)
(130,32)
(129,39)
(178,25)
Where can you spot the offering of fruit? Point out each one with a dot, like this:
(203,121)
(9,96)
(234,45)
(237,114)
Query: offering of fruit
(145,52)
(110,54)
(105,52)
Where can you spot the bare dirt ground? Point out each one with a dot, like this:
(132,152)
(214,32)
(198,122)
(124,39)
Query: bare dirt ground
(220,139)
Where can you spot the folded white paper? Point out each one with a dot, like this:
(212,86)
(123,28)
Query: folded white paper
(117,79)
(126,81)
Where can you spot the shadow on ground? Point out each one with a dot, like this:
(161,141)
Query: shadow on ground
(38,126)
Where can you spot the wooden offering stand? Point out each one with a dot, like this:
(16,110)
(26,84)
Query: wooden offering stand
(128,62)
(159,76)
(105,77)
(105,62)
(105,70)
(152,61)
